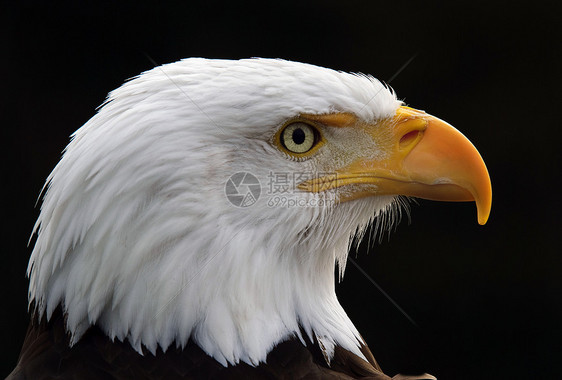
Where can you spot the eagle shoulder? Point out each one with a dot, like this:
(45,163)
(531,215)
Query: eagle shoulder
(46,354)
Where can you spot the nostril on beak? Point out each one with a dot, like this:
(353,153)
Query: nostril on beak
(409,138)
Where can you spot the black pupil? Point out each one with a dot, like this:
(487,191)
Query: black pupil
(298,136)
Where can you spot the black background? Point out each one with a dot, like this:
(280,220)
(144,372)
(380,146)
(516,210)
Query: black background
(486,300)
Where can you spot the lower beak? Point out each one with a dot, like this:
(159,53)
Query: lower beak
(425,158)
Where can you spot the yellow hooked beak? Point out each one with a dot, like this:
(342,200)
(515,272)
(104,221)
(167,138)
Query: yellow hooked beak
(424,157)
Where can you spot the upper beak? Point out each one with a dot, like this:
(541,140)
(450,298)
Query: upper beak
(425,157)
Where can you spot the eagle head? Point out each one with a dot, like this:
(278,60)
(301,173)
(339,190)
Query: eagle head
(211,200)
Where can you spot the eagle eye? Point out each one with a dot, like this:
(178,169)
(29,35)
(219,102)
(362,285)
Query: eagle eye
(299,137)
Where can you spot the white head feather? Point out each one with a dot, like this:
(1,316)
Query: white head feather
(137,236)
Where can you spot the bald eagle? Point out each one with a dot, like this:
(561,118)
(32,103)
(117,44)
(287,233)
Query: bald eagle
(193,226)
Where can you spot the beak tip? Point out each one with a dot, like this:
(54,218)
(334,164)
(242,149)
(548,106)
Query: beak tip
(482,220)
(483,210)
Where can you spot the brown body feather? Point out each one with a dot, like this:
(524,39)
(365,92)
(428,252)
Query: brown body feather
(46,355)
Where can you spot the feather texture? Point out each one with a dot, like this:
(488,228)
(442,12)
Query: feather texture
(137,236)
